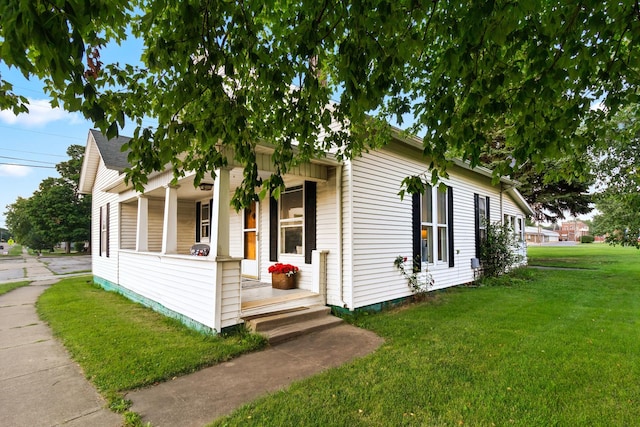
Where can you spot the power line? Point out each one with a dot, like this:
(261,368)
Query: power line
(27,160)
(33,152)
(29,166)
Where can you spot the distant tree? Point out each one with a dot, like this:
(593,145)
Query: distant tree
(56,212)
(554,187)
(221,76)
(19,221)
(618,158)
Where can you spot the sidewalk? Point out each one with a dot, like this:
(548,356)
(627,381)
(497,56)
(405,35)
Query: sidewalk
(42,386)
(199,398)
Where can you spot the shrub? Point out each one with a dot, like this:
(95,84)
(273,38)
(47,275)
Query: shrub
(498,250)
(586,239)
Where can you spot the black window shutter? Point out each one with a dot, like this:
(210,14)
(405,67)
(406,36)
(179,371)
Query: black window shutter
(450,223)
(476,214)
(101,232)
(273,229)
(488,205)
(309,220)
(415,231)
(108,209)
(198,210)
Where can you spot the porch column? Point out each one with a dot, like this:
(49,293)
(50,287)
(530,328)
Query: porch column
(170,223)
(220,215)
(142,225)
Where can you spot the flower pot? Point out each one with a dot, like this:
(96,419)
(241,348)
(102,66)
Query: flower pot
(282,281)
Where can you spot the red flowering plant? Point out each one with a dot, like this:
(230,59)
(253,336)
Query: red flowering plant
(287,269)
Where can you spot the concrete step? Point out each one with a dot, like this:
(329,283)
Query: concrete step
(281,326)
(297,315)
(287,332)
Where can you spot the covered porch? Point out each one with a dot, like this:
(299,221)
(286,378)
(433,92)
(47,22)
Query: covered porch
(159,227)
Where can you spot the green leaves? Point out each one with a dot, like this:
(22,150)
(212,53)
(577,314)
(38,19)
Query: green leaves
(231,74)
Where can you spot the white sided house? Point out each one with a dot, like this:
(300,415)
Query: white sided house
(343,224)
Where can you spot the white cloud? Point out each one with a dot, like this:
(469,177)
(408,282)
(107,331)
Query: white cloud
(14,170)
(40,113)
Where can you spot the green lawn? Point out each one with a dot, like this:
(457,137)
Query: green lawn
(559,348)
(15,250)
(6,287)
(121,345)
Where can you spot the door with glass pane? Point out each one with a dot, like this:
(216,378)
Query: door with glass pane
(250,240)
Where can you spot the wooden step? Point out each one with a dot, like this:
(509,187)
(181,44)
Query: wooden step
(282,326)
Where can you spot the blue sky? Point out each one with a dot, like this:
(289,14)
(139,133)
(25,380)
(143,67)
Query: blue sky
(31,144)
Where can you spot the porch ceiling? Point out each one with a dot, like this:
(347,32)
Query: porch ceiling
(187,190)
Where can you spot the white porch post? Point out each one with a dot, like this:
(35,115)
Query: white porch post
(220,239)
(170,223)
(142,225)
(220,216)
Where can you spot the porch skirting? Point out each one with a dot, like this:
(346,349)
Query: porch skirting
(155,306)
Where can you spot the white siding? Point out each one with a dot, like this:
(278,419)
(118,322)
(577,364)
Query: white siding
(156,218)
(347,235)
(104,267)
(235,232)
(326,230)
(186,226)
(128,224)
(381,225)
(231,305)
(185,285)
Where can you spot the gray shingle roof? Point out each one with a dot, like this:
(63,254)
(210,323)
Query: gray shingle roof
(111,150)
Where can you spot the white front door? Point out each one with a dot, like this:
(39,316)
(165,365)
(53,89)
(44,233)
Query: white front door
(250,240)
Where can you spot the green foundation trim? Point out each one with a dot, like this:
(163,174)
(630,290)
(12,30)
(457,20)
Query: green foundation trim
(155,306)
(375,308)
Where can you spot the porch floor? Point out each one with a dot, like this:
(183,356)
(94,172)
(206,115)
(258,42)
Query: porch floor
(256,294)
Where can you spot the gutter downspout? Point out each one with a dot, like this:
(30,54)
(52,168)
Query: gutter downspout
(501,204)
(339,233)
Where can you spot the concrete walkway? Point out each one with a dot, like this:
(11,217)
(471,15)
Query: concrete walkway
(199,398)
(41,386)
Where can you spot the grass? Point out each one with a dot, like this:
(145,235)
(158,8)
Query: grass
(121,345)
(553,347)
(7,287)
(15,250)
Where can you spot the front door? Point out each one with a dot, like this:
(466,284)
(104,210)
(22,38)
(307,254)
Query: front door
(250,240)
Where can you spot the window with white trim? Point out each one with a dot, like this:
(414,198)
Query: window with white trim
(205,222)
(292,221)
(482,217)
(104,230)
(515,225)
(434,234)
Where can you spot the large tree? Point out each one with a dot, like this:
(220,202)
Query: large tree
(618,158)
(232,74)
(56,212)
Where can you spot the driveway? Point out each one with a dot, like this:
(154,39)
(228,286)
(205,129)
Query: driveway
(67,264)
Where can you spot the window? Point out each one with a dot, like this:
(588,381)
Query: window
(205,222)
(435,236)
(427,225)
(482,217)
(442,226)
(515,225)
(104,230)
(292,221)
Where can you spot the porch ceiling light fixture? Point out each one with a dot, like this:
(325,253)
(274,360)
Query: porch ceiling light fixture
(205,186)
